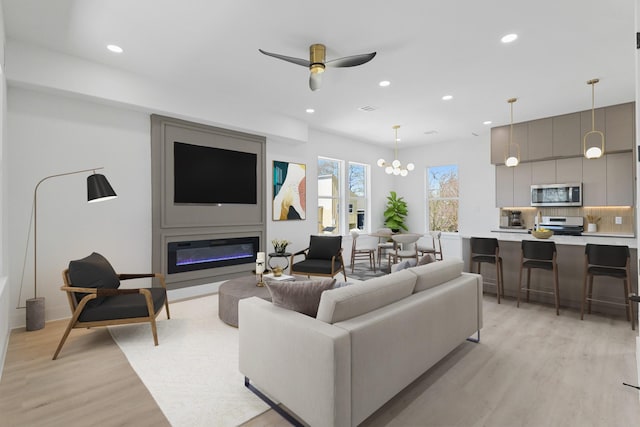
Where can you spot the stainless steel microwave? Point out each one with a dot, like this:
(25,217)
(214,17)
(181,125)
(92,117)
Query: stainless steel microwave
(556,195)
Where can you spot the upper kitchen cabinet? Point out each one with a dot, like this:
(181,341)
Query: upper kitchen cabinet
(594,181)
(620,182)
(569,171)
(544,172)
(619,127)
(513,185)
(540,139)
(567,140)
(500,142)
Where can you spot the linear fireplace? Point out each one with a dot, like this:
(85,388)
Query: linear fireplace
(195,255)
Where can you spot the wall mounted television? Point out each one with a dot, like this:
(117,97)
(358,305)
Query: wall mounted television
(208,175)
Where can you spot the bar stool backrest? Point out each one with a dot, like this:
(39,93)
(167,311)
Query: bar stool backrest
(483,245)
(543,251)
(607,255)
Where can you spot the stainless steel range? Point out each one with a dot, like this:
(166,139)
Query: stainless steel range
(564,225)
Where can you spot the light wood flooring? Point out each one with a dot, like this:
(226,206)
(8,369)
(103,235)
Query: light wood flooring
(532,368)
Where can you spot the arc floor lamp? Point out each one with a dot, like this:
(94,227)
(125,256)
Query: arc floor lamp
(98,189)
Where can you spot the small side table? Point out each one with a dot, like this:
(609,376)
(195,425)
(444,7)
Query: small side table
(284,255)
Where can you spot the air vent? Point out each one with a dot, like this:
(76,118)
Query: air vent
(368,108)
(431,132)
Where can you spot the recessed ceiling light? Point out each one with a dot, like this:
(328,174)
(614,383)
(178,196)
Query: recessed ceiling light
(310,110)
(384,83)
(487,122)
(509,38)
(447,97)
(114,48)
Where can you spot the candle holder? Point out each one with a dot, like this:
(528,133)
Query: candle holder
(260,282)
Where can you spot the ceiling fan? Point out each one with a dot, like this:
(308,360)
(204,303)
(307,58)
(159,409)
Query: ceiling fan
(317,63)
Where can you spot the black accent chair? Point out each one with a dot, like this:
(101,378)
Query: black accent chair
(609,261)
(486,249)
(92,288)
(323,257)
(539,255)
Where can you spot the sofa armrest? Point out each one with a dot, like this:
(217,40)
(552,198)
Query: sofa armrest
(297,360)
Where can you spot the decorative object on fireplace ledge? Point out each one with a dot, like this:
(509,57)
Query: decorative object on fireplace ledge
(260,268)
(280,245)
(289,190)
(98,189)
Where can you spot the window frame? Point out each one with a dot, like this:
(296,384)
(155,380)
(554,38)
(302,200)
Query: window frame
(428,198)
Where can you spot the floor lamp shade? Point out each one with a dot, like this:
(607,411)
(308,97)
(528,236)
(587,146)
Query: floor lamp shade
(99,189)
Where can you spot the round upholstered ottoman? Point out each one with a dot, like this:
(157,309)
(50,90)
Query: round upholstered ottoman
(232,291)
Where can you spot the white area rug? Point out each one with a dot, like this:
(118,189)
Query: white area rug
(193,372)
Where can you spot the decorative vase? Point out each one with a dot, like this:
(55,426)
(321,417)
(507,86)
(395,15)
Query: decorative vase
(592,228)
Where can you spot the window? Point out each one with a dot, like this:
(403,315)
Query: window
(358,202)
(442,198)
(329,182)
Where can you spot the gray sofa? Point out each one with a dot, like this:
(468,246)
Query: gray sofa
(368,342)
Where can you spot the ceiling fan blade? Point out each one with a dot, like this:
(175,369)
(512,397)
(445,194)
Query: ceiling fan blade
(303,62)
(351,61)
(315,80)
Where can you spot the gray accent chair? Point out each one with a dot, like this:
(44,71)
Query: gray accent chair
(323,257)
(92,288)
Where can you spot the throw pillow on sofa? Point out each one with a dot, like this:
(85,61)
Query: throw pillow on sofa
(402,265)
(426,259)
(300,296)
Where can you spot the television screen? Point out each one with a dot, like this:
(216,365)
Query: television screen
(213,175)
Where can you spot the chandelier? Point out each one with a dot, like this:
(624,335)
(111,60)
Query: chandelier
(396,167)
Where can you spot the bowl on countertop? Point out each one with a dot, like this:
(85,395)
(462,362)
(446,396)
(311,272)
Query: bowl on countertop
(538,234)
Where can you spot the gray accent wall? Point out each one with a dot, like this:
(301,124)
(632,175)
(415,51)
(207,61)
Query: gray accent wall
(180,222)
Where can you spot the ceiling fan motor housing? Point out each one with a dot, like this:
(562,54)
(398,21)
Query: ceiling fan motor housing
(317,53)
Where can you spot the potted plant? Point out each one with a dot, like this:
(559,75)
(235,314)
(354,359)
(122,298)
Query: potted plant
(395,213)
(280,245)
(592,223)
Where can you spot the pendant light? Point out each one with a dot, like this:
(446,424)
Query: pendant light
(511,160)
(395,167)
(593,151)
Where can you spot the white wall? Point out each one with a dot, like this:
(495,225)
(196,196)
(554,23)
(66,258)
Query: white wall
(477,211)
(51,134)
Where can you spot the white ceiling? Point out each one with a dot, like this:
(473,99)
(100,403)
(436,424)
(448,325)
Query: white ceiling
(426,48)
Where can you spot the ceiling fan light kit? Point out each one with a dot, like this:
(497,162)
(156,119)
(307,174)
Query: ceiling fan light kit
(395,167)
(317,62)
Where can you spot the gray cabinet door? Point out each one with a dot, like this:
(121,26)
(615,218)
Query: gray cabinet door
(594,181)
(540,140)
(567,141)
(619,127)
(569,170)
(504,186)
(620,179)
(543,172)
(522,185)
(499,141)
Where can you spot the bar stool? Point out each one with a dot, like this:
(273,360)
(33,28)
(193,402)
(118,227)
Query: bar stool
(610,261)
(540,255)
(485,249)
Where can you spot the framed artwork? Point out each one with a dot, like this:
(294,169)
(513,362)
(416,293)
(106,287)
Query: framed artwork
(289,191)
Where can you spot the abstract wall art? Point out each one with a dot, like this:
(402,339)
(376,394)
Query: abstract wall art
(289,191)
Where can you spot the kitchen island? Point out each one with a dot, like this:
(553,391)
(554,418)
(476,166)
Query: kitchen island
(570,259)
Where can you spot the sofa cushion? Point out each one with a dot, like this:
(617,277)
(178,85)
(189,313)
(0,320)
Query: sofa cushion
(351,301)
(426,259)
(300,296)
(403,265)
(93,271)
(436,273)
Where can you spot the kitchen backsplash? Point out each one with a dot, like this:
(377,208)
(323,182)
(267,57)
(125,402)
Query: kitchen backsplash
(607,215)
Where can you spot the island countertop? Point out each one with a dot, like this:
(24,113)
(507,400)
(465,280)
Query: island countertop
(519,235)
